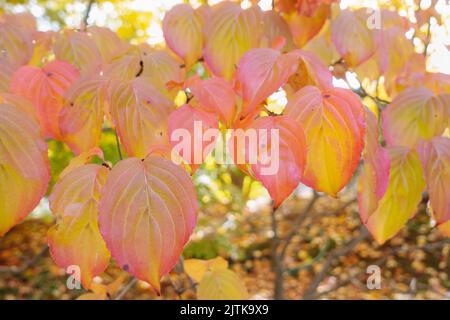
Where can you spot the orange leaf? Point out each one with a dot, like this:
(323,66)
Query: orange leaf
(352,37)
(260,73)
(78,49)
(281,155)
(276,28)
(82,159)
(182,26)
(75,238)
(215,95)
(139,112)
(19,102)
(45,88)
(24,166)
(304,27)
(404,193)
(435,158)
(81,117)
(374,177)
(229,33)
(108,43)
(187,125)
(333,121)
(310,70)
(16,45)
(148,210)
(415,114)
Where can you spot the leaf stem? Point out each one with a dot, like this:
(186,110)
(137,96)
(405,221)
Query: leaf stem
(118,145)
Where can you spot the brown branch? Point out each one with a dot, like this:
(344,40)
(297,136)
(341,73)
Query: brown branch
(30,263)
(296,224)
(88,12)
(178,290)
(277,264)
(336,253)
(127,288)
(338,210)
(381,261)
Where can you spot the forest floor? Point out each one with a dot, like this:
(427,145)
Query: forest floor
(414,265)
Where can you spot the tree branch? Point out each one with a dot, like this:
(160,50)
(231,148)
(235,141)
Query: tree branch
(118,145)
(127,288)
(296,224)
(382,260)
(30,263)
(87,12)
(336,253)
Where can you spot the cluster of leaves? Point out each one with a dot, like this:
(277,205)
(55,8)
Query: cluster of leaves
(225,61)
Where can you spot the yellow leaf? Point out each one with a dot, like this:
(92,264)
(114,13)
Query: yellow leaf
(221,284)
(404,192)
(197,268)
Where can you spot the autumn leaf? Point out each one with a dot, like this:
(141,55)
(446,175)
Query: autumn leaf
(303,27)
(261,72)
(78,49)
(435,157)
(182,27)
(187,126)
(221,284)
(333,121)
(229,33)
(280,158)
(197,268)
(24,166)
(404,193)
(414,114)
(75,238)
(148,210)
(352,37)
(45,88)
(374,177)
(81,117)
(140,113)
(215,95)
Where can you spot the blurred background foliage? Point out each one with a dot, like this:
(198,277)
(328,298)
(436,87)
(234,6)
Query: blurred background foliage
(235,218)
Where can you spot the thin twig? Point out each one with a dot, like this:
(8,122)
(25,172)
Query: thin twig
(88,12)
(178,291)
(296,224)
(338,210)
(26,265)
(336,253)
(141,69)
(118,145)
(322,253)
(427,44)
(381,261)
(277,263)
(275,239)
(127,288)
